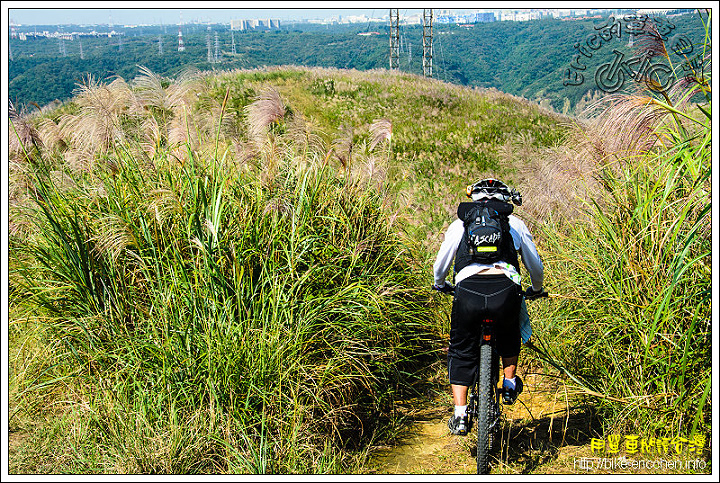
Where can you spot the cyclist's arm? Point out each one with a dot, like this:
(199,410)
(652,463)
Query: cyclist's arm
(447,251)
(528,252)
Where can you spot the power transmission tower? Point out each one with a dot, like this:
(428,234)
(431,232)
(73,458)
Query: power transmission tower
(160,50)
(232,36)
(209,47)
(427,42)
(181,44)
(62,46)
(217,45)
(394,38)
(82,56)
(10,52)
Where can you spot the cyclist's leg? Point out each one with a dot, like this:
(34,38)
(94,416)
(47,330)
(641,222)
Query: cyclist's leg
(509,366)
(505,305)
(464,338)
(462,361)
(493,296)
(459,393)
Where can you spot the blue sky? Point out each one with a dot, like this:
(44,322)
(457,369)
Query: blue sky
(119,13)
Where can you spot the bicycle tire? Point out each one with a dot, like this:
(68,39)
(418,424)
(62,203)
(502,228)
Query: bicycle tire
(485,408)
(494,403)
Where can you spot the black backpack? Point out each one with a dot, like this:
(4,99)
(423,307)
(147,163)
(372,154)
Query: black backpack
(487,238)
(484,234)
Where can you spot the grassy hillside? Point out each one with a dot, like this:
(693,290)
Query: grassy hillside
(527,59)
(230,272)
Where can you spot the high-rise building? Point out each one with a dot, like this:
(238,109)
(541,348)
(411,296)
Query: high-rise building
(253,24)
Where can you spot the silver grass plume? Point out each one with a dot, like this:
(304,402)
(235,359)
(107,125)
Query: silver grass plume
(113,236)
(380,130)
(98,124)
(23,135)
(150,90)
(342,147)
(266,109)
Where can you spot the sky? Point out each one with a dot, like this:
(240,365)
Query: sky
(133,12)
(173,12)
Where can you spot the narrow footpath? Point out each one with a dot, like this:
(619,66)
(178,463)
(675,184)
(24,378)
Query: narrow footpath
(542,433)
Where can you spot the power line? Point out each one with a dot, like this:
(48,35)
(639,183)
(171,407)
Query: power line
(365,37)
(406,42)
(209,47)
(442,59)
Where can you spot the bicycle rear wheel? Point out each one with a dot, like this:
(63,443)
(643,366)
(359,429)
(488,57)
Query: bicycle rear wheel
(485,422)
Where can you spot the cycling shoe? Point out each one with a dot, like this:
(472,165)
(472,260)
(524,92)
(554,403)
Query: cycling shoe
(458,425)
(510,395)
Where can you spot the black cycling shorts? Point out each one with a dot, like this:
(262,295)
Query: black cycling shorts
(480,297)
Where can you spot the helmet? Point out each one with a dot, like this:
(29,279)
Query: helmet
(490,188)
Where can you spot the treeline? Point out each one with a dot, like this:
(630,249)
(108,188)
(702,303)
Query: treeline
(528,59)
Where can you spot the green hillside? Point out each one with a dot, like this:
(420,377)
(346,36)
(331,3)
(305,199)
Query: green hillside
(221,247)
(527,59)
(230,272)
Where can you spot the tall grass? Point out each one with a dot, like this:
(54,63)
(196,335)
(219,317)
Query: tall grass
(210,275)
(220,318)
(632,328)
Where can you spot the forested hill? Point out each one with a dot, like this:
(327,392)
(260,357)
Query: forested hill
(528,59)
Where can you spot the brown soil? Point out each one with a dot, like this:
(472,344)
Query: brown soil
(542,432)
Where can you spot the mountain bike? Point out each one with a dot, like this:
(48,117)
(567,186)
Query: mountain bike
(484,405)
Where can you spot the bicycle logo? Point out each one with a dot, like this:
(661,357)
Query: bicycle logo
(610,77)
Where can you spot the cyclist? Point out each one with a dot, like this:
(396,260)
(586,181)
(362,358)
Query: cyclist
(485,290)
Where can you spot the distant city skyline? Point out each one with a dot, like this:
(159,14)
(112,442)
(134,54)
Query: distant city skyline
(135,13)
(127,13)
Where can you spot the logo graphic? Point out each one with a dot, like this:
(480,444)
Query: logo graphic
(610,77)
(485,239)
(651,32)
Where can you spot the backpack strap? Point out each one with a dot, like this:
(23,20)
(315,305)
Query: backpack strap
(466,207)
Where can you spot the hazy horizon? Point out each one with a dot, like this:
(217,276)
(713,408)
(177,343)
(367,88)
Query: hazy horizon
(169,16)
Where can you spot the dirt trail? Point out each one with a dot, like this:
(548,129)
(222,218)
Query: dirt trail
(542,434)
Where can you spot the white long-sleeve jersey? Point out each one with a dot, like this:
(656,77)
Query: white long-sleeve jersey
(522,239)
